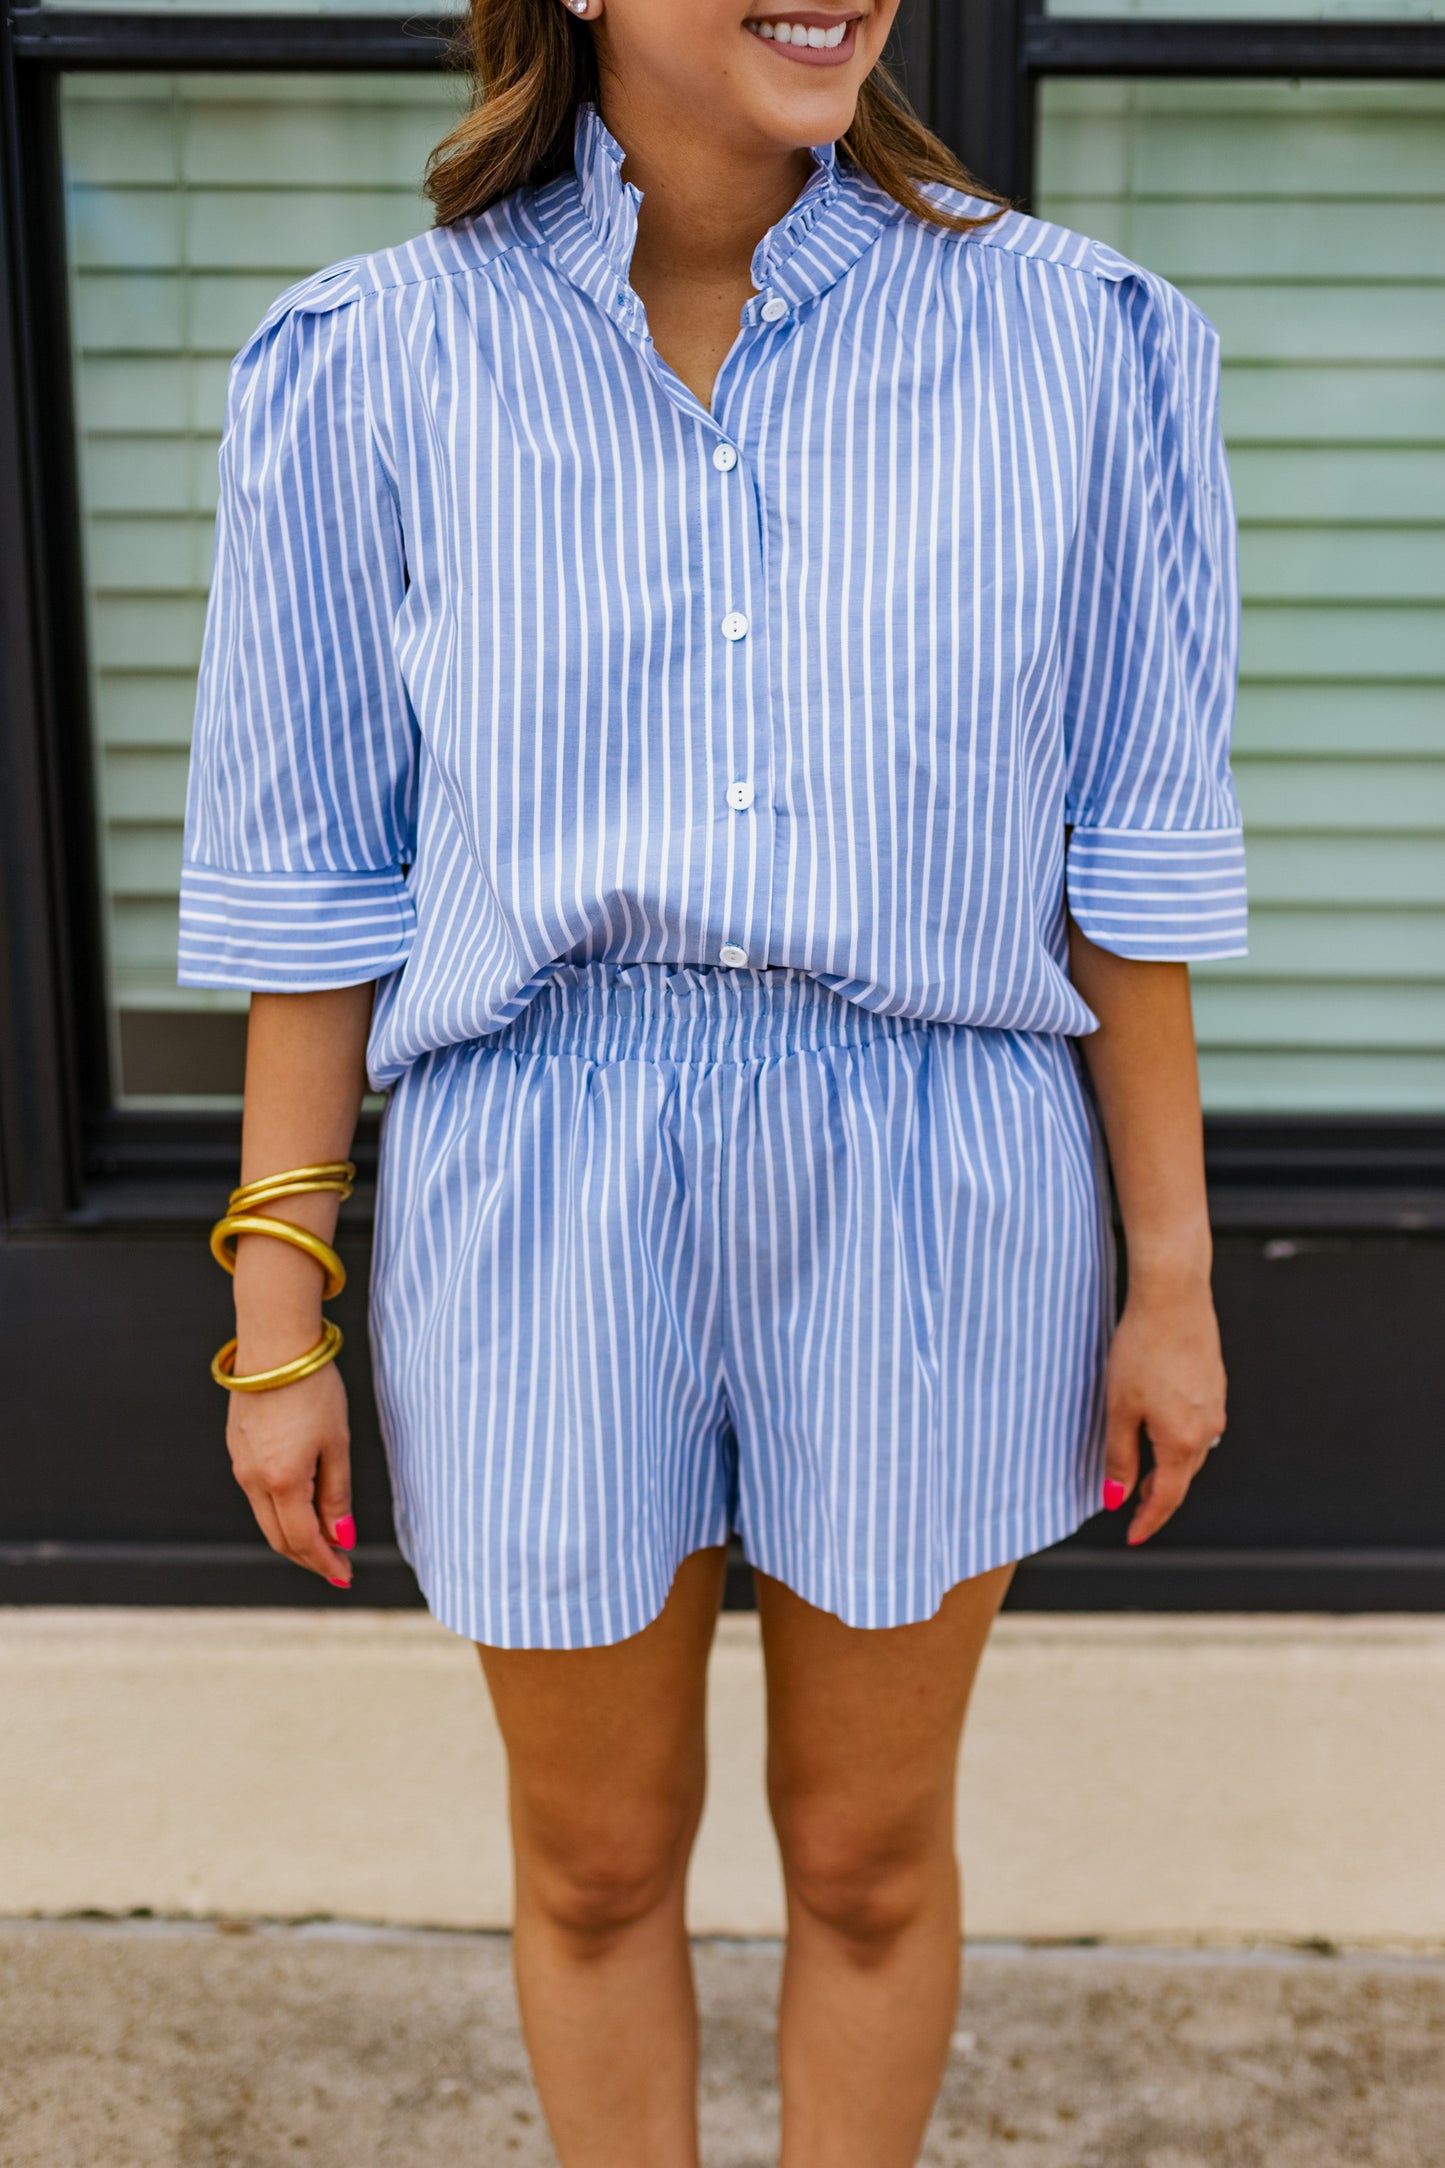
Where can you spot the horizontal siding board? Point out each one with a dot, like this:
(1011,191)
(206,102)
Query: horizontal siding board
(235,144)
(144,935)
(1324,564)
(159,312)
(1334,640)
(1286,1081)
(162,394)
(1363,870)
(168,553)
(144,784)
(1395,796)
(1354,1014)
(143,632)
(1222,154)
(130,475)
(1295,942)
(1349,486)
(146,707)
(1343,320)
(1332,720)
(143,858)
(1321,403)
(1282,243)
(211,230)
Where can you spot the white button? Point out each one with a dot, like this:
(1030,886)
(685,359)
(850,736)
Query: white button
(731,954)
(740,795)
(773,308)
(734,625)
(724,458)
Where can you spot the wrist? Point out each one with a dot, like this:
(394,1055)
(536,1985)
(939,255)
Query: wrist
(1170,1268)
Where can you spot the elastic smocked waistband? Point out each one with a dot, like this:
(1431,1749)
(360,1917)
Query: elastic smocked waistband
(674,1012)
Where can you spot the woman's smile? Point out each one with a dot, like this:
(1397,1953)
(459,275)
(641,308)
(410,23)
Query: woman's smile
(808,35)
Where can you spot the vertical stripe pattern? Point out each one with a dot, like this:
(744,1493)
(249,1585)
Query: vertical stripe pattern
(704,786)
(684,1250)
(517,652)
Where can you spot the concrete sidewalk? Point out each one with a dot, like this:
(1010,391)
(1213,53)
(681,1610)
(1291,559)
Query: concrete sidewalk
(149,2045)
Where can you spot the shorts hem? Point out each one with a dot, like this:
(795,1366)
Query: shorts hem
(875,1602)
(867,1601)
(456,1609)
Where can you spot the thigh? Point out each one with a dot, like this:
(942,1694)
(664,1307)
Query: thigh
(864,1723)
(605,1746)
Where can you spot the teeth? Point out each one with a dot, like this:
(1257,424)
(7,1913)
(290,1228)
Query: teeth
(783,33)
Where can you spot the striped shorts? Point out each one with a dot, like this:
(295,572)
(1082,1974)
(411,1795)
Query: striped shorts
(681,1252)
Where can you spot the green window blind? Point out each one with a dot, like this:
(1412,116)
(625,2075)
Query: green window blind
(1308,222)
(191,202)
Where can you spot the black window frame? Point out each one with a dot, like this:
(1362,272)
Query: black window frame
(74,1167)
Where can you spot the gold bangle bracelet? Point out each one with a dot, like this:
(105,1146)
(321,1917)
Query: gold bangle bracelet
(326,1350)
(264,1193)
(330,1174)
(300,1238)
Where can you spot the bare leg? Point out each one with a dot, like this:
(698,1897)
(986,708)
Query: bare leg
(607,1763)
(863,1736)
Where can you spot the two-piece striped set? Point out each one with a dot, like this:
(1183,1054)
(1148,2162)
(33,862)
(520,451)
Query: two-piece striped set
(704,788)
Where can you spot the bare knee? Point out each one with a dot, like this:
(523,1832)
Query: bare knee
(596,1875)
(867,1881)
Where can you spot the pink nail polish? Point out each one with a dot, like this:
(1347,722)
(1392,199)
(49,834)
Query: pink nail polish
(344,1533)
(338,1584)
(1114,1495)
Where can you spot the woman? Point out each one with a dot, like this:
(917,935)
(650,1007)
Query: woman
(730,637)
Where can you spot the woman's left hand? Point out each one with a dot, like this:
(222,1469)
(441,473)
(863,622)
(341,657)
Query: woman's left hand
(1166,1374)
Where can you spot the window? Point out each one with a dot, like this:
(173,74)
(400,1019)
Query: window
(192,201)
(1307,219)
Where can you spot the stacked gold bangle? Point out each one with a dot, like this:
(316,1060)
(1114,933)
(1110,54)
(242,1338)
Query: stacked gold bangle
(243,1216)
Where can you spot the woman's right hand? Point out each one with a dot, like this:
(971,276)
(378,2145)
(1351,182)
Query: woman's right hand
(291,1446)
(291,1454)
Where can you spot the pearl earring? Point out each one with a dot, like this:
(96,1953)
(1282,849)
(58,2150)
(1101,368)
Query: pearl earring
(578,7)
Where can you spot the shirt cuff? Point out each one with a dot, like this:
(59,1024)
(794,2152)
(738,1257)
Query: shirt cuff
(292,933)
(1159,896)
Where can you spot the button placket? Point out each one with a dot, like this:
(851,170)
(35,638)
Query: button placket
(745,900)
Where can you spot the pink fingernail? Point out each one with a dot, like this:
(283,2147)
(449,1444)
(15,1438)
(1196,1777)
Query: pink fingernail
(345,1533)
(338,1584)
(1114,1495)
(1136,1539)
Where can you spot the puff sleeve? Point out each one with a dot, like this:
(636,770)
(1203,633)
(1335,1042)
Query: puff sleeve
(1156,855)
(299,811)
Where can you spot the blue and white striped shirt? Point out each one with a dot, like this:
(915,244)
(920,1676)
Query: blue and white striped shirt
(517,653)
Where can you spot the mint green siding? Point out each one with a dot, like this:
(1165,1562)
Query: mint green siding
(1308,222)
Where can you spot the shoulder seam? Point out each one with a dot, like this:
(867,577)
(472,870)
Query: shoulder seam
(342,284)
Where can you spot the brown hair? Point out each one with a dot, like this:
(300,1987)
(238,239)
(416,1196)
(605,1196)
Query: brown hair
(532,65)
